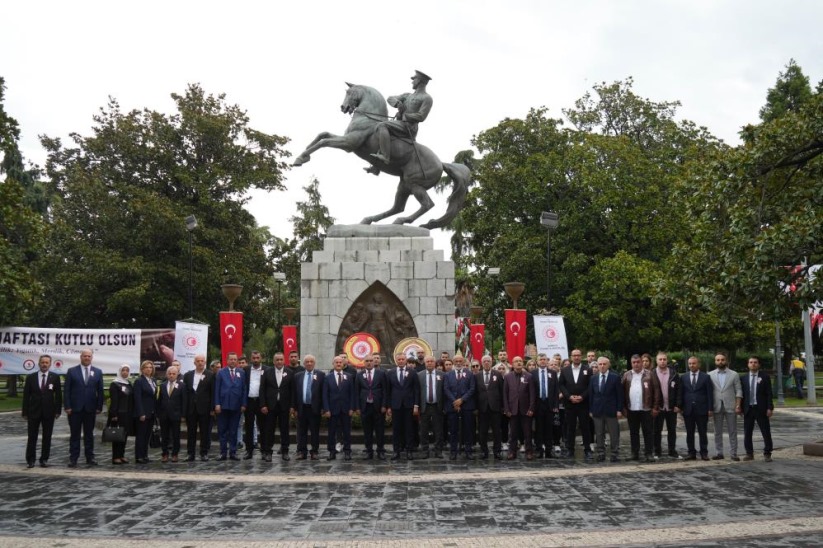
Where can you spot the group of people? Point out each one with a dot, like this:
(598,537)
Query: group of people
(437,408)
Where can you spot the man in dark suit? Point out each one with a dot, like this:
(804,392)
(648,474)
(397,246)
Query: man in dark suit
(339,401)
(573,382)
(294,362)
(371,390)
(757,408)
(546,382)
(431,408)
(254,418)
(171,408)
(606,407)
(459,389)
(698,401)
(83,400)
(402,397)
(199,386)
(275,404)
(42,400)
(489,384)
(145,405)
(230,399)
(519,395)
(308,402)
(671,399)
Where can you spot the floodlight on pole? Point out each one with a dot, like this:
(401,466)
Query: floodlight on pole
(550,221)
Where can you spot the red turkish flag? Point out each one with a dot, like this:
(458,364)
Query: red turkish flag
(515,332)
(478,340)
(231,333)
(289,339)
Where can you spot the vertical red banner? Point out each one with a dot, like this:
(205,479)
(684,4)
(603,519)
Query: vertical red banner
(515,332)
(231,333)
(478,340)
(289,340)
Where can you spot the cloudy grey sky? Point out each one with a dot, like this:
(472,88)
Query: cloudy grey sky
(286,64)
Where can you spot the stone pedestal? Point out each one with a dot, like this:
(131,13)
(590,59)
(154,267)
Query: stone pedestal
(355,258)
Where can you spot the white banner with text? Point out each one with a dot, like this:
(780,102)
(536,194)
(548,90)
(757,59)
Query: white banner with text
(550,336)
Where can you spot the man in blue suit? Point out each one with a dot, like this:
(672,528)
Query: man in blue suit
(757,408)
(606,407)
(698,401)
(403,401)
(458,392)
(83,400)
(338,406)
(371,390)
(230,398)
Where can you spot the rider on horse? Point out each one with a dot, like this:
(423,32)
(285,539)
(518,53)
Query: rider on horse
(412,108)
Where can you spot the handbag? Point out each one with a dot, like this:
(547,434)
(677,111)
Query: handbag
(154,439)
(114,434)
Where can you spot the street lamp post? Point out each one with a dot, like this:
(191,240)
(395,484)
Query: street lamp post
(191,224)
(279,277)
(494,272)
(549,220)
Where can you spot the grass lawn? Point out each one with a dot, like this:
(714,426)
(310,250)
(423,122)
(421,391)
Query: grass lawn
(11,404)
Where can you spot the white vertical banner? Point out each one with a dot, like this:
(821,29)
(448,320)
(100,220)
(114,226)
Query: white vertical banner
(550,335)
(190,340)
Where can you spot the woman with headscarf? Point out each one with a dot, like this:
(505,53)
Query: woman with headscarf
(120,409)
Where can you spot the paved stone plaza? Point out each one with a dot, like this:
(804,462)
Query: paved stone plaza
(419,503)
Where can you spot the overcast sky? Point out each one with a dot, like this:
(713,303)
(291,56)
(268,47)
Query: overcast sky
(286,64)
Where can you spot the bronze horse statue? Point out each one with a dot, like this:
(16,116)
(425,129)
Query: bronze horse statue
(417,166)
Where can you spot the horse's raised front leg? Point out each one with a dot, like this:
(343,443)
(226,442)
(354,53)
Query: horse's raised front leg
(426,204)
(400,199)
(305,156)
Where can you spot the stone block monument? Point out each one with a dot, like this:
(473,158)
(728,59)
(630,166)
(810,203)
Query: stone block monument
(387,280)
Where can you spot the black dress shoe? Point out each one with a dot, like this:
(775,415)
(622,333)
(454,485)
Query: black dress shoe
(614,459)
(369,456)
(588,456)
(691,457)
(313,456)
(44,464)
(498,456)
(381,455)
(223,457)
(332,456)
(91,462)
(29,465)
(204,458)
(396,456)
(717,457)
(409,455)
(233,457)
(265,458)
(301,456)
(346,455)
(704,457)
(601,458)
(190,458)
(247,456)
(284,455)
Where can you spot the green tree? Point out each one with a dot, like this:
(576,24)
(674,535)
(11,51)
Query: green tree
(791,90)
(118,248)
(758,213)
(611,180)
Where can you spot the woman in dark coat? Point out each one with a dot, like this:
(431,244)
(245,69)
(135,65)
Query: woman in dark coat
(121,393)
(145,400)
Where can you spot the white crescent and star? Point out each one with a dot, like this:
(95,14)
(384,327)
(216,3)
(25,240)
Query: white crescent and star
(512,327)
(233,331)
(478,337)
(289,342)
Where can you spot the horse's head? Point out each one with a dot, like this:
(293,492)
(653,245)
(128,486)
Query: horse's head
(364,98)
(352,99)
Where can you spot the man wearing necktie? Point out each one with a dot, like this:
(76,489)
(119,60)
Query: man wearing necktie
(371,383)
(606,407)
(757,408)
(489,383)
(171,409)
(402,401)
(275,404)
(698,401)
(546,381)
(431,408)
(338,406)
(459,390)
(42,400)
(519,396)
(230,398)
(83,400)
(307,399)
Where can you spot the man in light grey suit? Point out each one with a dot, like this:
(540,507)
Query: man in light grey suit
(431,408)
(728,395)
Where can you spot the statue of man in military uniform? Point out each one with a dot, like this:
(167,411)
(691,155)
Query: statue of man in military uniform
(412,108)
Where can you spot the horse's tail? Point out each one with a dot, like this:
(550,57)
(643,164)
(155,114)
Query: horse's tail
(460,176)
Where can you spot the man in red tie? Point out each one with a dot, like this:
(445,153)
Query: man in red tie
(42,400)
(371,388)
(458,391)
(229,403)
(338,407)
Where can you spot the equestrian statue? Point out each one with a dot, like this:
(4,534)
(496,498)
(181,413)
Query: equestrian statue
(389,145)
